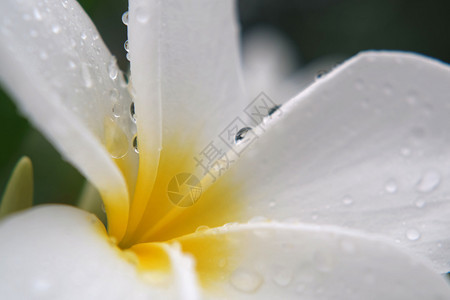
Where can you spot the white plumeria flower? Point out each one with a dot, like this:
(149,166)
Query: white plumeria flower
(360,158)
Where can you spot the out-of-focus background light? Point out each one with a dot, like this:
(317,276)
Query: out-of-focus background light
(314,35)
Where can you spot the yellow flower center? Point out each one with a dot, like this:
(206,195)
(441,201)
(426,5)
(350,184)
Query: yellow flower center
(181,204)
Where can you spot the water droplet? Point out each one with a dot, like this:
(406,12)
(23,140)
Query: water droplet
(272,204)
(412,234)
(240,135)
(323,261)
(419,203)
(246,281)
(273,109)
(429,181)
(72,65)
(56,28)
(321,73)
(201,228)
(347,200)
(43,55)
(283,277)
(125,46)
(125,18)
(115,139)
(65,3)
(391,186)
(112,69)
(37,14)
(86,74)
(314,216)
(133,112)
(142,15)
(135,144)
(83,36)
(231,224)
(127,56)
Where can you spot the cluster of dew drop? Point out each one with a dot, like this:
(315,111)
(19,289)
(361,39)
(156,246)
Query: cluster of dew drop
(117,106)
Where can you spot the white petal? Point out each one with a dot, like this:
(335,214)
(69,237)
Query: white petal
(186,75)
(297,261)
(365,147)
(58,252)
(184,270)
(65,80)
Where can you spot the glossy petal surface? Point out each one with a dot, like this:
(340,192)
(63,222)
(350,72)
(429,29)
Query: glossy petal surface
(66,82)
(298,261)
(59,252)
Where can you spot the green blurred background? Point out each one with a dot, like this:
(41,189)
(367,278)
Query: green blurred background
(316,27)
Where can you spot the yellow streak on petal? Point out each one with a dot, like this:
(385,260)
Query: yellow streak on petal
(162,219)
(116,201)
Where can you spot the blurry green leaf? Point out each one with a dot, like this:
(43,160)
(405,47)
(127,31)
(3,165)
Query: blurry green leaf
(14,128)
(18,194)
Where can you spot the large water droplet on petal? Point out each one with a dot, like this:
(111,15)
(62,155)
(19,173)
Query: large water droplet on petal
(125,18)
(241,134)
(412,234)
(115,139)
(429,181)
(283,277)
(391,186)
(246,281)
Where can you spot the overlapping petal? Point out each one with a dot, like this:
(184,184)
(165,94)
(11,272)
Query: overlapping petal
(59,252)
(365,147)
(66,82)
(298,261)
(186,77)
